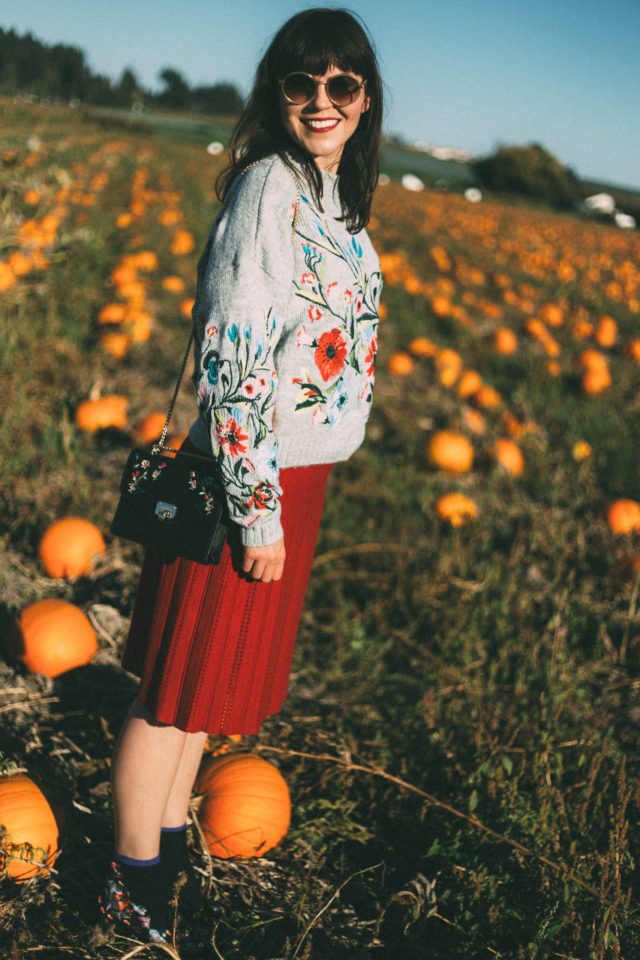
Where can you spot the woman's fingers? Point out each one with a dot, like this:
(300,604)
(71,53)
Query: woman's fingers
(265,564)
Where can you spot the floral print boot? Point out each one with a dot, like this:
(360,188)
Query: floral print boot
(129,918)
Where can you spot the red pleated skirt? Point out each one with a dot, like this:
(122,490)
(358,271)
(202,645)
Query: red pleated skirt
(212,648)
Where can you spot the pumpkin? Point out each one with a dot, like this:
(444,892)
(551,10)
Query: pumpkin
(552,314)
(596,380)
(29,840)
(623,516)
(186,306)
(173,284)
(104,412)
(115,344)
(592,360)
(182,242)
(400,364)
(68,547)
(469,383)
(632,350)
(151,428)
(606,332)
(509,456)
(451,451)
(51,636)
(581,450)
(440,305)
(422,347)
(245,808)
(505,341)
(487,397)
(456,508)
(112,313)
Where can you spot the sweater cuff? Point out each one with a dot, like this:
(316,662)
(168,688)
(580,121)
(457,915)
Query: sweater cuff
(262,533)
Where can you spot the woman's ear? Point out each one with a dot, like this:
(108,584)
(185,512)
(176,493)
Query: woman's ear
(366,103)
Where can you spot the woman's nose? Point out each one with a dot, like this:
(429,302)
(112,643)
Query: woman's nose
(320,99)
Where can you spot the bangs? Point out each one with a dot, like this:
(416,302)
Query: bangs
(320,42)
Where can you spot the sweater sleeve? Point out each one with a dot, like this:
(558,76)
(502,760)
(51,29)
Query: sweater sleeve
(245,284)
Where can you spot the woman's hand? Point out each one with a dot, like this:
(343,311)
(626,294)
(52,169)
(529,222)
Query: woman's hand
(264,563)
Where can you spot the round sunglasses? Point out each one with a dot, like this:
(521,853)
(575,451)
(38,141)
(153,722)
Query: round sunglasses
(299,88)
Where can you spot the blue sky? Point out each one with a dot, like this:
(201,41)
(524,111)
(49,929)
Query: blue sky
(563,73)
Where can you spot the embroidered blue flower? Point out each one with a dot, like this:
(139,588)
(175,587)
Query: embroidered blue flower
(232,333)
(213,373)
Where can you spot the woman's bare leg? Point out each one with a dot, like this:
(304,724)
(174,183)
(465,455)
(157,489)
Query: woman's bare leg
(145,763)
(177,806)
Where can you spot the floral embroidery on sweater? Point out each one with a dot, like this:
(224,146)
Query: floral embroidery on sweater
(341,354)
(240,397)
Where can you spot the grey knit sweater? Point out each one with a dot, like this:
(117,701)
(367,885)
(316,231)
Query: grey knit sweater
(285,339)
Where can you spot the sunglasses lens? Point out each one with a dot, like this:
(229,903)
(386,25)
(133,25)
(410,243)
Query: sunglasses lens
(342,90)
(298,88)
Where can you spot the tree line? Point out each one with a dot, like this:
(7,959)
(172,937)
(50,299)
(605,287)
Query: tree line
(60,72)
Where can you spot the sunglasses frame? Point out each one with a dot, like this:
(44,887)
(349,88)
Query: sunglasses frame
(321,83)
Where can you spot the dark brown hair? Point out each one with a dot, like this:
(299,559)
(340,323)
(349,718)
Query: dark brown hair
(313,41)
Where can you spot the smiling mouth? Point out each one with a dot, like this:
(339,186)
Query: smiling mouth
(321,125)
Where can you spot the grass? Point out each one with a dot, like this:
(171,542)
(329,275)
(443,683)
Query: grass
(460,738)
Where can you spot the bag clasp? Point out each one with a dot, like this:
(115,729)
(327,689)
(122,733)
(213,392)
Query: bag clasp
(165,511)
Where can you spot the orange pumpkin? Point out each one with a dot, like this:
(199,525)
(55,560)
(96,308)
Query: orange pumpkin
(632,350)
(400,364)
(109,411)
(440,305)
(68,547)
(623,516)
(469,383)
(487,397)
(505,341)
(30,832)
(450,451)
(592,360)
(552,314)
(182,242)
(581,450)
(115,344)
(51,636)
(422,347)
(173,284)
(509,456)
(246,807)
(456,508)
(151,428)
(606,332)
(596,380)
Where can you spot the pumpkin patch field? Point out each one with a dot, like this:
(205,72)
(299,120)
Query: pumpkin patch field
(456,771)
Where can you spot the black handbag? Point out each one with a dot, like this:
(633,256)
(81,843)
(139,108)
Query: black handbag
(171,500)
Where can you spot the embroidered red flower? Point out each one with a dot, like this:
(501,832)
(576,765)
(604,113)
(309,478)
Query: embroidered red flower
(330,354)
(309,278)
(313,313)
(370,358)
(233,436)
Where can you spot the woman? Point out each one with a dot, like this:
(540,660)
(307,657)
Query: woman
(285,328)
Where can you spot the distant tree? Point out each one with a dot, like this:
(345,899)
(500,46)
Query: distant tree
(99,91)
(220,98)
(176,93)
(127,89)
(531,171)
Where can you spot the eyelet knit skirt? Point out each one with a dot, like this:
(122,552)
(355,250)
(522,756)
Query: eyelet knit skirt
(212,648)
